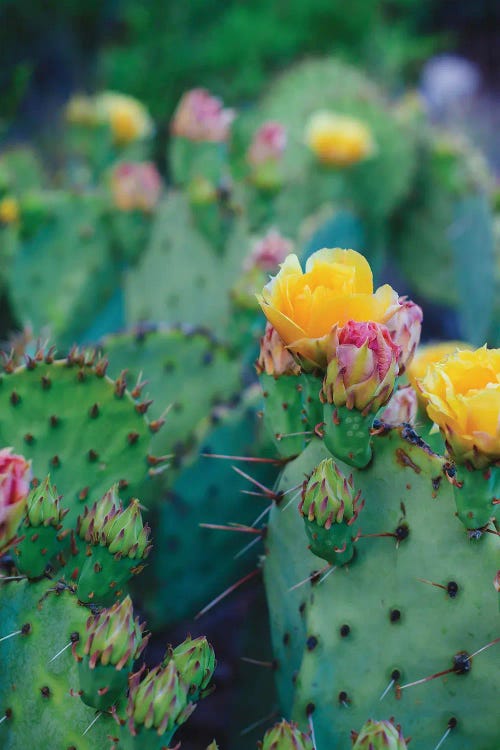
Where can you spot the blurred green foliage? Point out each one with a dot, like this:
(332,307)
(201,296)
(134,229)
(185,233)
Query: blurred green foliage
(155,50)
(233,46)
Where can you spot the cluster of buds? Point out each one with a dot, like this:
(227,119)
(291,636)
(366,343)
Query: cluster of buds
(285,736)
(114,637)
(378,735)
(15,478)
(118,541)
(113,641)
(42,529)
(201,117)
(330,506)
(265,155)
(160,702)
(195,662)
(119,529)
(136,186)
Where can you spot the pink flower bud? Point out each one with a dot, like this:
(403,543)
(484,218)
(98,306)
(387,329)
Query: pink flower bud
(15,477)
(274,358)
(363,366)
(401,408)
(405,327)
(201,117)
(269,252)
(269,143)
(136,186)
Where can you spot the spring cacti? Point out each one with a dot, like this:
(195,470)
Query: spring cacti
(407,622)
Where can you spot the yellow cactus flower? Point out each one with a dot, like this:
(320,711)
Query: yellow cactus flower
(338,140)
(81,110)
(337,286)
(127,117)
(462,394)
(9,210)
(429,354)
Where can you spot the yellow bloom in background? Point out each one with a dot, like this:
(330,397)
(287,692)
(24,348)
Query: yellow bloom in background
(127,117)
(338,140)
(462,394)
(429,354)
(81,110)
(337,286)
(9,210)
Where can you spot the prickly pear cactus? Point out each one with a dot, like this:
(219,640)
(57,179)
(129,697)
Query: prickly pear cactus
(76,424)
(70,641)
(187,373)
(382,579)
(64,270)
(416,600)
(195,289)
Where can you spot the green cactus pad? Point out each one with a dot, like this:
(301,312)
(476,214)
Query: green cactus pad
(77,424)
(186,371)
(200,561)
(35,691)
(194,286)
(63,272)
(417,599)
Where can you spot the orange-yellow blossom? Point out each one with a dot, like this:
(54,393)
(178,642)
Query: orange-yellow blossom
(462,394)
(337,286)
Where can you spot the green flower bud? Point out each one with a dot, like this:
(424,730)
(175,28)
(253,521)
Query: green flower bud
(286,736)
(89,524)
(43,538)
(106,655)
(124,533)
(213,746)
(378,735)
(43,507)
(329,507)
(160,701)
(114,637)
(195,662)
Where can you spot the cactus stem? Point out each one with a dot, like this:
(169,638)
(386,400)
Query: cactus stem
(246,548)
(258,723)
(100,713)
(312,577)
(227,591)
